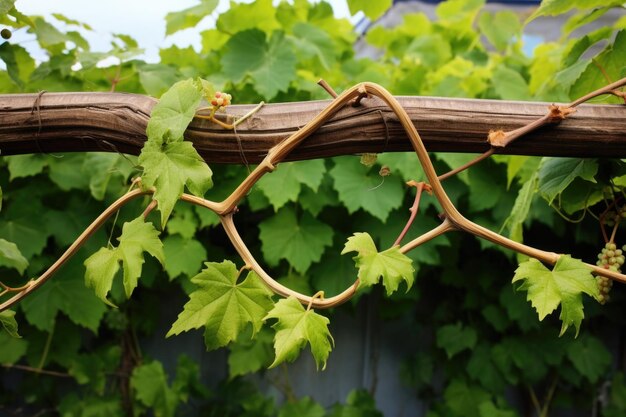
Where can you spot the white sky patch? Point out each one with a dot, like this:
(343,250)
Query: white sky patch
(141,19)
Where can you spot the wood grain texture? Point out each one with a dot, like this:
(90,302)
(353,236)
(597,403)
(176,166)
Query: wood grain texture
(116,122)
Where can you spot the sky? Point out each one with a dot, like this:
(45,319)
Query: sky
(144,20)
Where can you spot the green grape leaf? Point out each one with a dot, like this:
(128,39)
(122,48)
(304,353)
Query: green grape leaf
(608,64)
(189,17)
(372,9)
(361,188)
(182,256)
(500,28)
(463,399)
(390,264)
(9,324)
(556,7)
(300,241)
(264,19)
(297,326)
(556,174)
(563,285)
(23,225)
(482,368)
(174,111)
(223,306)
(102,167)
(455,338)
(101,267)
(137,237)
(312,41)
(66,293)
(271,65)
(521,208)
(11,257)
(156,79)
(13,348)
(66,171)
(169,169)
(150,384)
(250,355)
(19,63)
(285,183)
(590,357)
(183,221)
(21,166)
(509,84)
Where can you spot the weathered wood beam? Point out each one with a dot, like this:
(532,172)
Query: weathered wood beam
(60,122)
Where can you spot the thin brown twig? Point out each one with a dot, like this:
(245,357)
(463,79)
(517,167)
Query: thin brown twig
(419,186)
(463,167)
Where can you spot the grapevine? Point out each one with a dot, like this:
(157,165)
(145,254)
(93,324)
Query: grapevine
(452,219)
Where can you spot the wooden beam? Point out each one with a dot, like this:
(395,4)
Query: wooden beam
(116,122)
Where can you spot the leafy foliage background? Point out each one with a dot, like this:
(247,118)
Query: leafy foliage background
(477,346)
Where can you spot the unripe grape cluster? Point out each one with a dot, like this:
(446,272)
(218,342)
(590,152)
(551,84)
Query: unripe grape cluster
(613,216)
(220,100)
(610,258)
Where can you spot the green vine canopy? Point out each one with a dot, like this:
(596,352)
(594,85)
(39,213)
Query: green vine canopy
(307,220)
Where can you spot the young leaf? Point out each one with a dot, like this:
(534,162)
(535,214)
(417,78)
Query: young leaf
(390,264)
(563,285)
(169,168)
(137,237)
(295,327)
(10,256)
(101,268)
(174,111)
(9,324)
(222,305)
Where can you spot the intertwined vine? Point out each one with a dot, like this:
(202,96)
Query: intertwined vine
(452,219)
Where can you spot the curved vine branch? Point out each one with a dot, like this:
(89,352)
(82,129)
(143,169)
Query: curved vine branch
(453,219)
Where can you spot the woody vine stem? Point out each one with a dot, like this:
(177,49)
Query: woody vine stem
(452,219)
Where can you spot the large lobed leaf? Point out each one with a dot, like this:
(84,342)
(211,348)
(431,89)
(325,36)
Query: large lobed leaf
(222,305)
(301,241)
(392,265)
(564,285)
(169,169)
(297,326)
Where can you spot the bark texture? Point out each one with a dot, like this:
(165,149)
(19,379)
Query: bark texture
(116,122)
